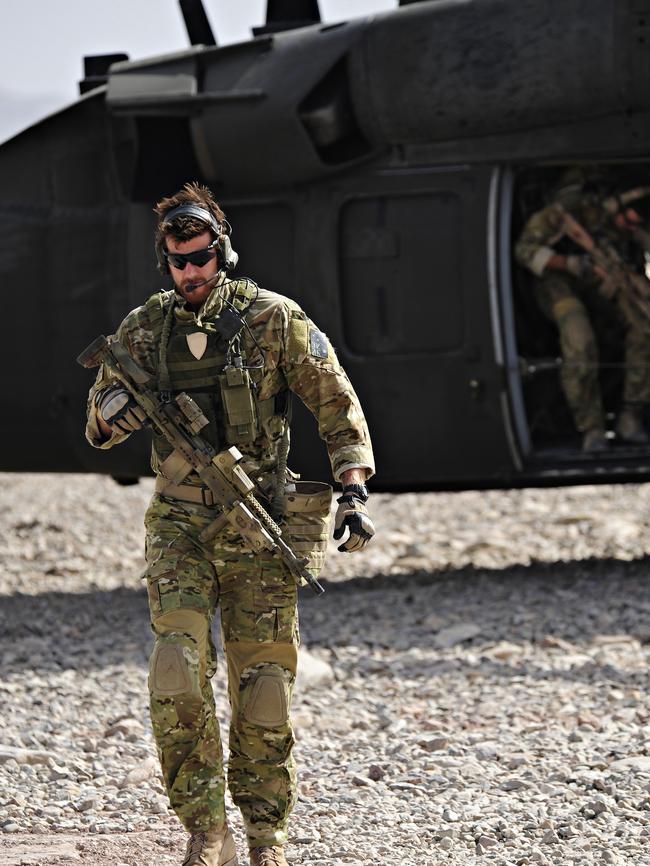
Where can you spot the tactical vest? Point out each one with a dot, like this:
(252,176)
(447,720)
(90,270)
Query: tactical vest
(218,381)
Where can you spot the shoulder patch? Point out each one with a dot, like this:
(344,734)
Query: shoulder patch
(318,346)
(297,339)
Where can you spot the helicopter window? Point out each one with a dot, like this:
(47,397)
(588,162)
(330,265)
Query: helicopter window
(328,115)
(401,274)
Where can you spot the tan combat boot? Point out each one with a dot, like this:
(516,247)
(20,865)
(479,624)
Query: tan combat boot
(268,855)
(211,848)
(629,426)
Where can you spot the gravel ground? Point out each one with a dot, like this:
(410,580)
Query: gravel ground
(483,696)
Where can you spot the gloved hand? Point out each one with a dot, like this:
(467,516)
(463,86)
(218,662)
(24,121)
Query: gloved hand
(578,265)
(352,514)
(118,408)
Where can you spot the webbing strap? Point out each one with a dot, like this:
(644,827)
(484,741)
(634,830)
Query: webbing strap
(266,409)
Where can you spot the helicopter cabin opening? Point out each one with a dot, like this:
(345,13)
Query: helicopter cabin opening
(548,426)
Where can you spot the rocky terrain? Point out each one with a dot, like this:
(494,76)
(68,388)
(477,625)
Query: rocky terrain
(474,686)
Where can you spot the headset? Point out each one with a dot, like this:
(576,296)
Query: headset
(222,232)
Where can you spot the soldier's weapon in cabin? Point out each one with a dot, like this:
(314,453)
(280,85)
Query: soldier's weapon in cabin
(618,276)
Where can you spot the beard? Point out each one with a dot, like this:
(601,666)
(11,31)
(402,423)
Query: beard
(189,286)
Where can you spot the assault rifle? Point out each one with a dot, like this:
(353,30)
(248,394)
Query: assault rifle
(617,274)
(180,421)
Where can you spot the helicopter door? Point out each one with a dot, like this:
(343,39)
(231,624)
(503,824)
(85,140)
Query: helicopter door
(421,325)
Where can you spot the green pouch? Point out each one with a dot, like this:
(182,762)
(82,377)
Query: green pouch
(307,513)
(239,405)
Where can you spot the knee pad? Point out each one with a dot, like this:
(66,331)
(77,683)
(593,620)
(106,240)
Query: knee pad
(265,695)
(174,668)
(178,661)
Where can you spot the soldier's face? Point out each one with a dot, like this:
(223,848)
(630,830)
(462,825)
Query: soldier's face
(194,283)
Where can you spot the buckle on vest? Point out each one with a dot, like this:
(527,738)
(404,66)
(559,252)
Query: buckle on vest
(207,497)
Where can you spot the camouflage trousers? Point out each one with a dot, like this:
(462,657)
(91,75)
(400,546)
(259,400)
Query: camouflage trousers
(559,297)
(256,598)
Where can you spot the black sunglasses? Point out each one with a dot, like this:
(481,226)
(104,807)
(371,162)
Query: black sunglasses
(198,258)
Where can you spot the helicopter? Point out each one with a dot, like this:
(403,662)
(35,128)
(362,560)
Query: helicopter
(375,170)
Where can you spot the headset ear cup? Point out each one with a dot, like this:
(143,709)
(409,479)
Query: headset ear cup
(161,261)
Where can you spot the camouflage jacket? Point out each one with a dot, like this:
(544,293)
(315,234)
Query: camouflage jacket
(283,349)
(542,236)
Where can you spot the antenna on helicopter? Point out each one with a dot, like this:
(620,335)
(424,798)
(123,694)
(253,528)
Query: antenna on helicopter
(288,15)
(196,22)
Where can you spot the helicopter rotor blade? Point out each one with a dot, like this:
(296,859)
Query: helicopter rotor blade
(288,15)
(196,22)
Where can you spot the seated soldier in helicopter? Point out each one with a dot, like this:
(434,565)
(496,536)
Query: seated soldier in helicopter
(585,248)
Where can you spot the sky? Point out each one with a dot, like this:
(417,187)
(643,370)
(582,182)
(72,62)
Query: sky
(42,42)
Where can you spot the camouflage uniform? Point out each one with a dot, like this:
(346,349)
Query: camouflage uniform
(255,593)
(565,300)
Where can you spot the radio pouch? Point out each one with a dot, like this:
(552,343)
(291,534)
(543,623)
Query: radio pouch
(238,404)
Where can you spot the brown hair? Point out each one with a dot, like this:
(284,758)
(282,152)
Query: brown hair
(184,228)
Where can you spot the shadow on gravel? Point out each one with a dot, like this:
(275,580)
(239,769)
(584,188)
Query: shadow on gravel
(573,601)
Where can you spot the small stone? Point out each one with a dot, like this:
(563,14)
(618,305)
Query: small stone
(597,807)
(361,781)
(550,838)
(375,772)
(636,764)
(125,727)
(144,771)
(57,773)
(486,842)
(450,815)
(435,744)
(312,672)
(487,751)
(589,720)
(515,761)
(85,804)
(503,651)
(11,827)
(433,622)
(514,785)
(446,843)
(455,634)
(308,838)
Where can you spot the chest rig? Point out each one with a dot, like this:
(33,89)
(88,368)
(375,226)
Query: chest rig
(205,356)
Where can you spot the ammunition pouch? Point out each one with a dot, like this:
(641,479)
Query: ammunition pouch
(245,415)
(307,514)
(240,417)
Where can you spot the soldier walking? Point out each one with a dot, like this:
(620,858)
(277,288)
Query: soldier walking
(566,287)
(240,351)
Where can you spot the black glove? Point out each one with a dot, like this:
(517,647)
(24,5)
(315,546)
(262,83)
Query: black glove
(118,408)
(352,514)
